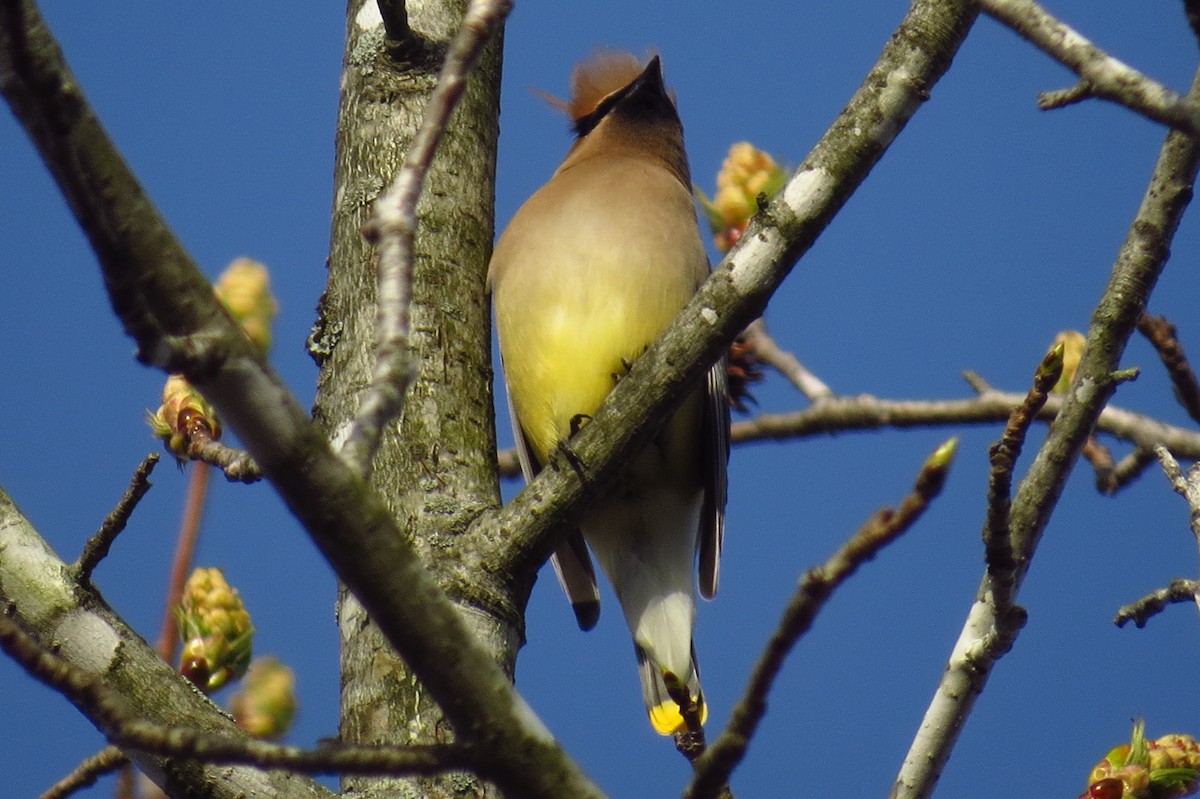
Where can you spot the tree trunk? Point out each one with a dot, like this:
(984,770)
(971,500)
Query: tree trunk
(436,463)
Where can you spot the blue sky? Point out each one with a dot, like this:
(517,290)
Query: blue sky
(987,228)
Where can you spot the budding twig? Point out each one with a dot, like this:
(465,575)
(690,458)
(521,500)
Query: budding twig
(816,587)
(127,731)
(998,547)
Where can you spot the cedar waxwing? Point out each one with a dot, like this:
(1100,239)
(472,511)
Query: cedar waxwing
(591,270)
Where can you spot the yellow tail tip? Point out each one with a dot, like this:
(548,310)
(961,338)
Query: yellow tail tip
(667,719)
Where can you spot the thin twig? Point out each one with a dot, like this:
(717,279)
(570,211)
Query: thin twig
(1186,486)
(1061,98)
(166,304)
(1112,476)
(106,761)
(848,414)
(1101,459)
(394,226)
(1102,75)
(815,589)
(1140,611)
(986,636)
(237,464)
(127,731)
(998,549)
(181,562)
(96,548)
(1162,335)
(767,351)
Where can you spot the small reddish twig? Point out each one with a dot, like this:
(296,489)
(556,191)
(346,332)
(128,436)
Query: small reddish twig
(181,563)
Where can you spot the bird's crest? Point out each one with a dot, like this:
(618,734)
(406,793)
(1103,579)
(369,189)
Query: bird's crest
(605,72)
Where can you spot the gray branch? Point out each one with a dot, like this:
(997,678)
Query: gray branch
(520,536)
(987,635)
(39,595)
(167,306)
(1100,74)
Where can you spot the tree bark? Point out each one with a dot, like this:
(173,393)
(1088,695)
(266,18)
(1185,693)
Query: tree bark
(436,464)
(40,593)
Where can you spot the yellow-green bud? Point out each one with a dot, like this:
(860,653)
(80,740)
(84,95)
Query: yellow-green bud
(245,288)
(1175,751)
(1072,342)
(183,415)
(1168,768)
(745,174)
(265,703)
(216,631)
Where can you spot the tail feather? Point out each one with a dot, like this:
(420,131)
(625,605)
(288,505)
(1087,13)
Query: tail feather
(662,700)
(573,566)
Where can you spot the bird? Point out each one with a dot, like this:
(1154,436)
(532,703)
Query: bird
(586,276)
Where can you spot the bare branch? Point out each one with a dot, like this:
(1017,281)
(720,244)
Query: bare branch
(987,634)
(394,226)
(106,761)
(127,731)
(96,548)
(1152,604)
(766,350)
(237,465)
(39,598)
(1061,98)
(167,306)
(1161,333)
(816,587)
(848,414)
(998,549)
(1101,75)
(1179,590)
(1186,486)
(519,537)
(1112,476)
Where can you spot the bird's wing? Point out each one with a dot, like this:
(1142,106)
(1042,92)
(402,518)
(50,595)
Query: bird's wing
(716,458)
(572,563)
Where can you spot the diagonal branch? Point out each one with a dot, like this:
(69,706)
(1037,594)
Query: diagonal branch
(106,761)
(131,732)
(96,548)
(519,537)
(767,351)
(816,587)
(168,307)
(1161,334)
(39,597)
(1100,74)
(998,549)
(986,635)
(1179,590)
(1140,611)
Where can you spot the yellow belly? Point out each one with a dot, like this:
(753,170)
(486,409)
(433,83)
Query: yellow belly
(563,359)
